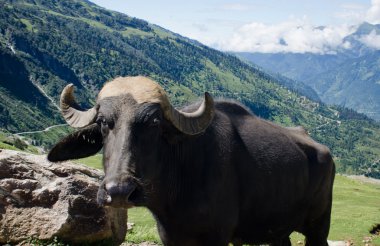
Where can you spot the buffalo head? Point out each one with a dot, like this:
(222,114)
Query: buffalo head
(131,119)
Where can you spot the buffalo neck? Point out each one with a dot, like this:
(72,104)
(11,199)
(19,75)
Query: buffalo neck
(186,166)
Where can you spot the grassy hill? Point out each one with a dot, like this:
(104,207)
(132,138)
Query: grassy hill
(45,45)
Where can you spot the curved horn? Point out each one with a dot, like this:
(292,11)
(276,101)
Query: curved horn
(69,109)
(195,122)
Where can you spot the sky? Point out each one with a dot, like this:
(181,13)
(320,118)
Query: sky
(259,26)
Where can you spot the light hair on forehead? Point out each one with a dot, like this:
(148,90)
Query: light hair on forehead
(142,89)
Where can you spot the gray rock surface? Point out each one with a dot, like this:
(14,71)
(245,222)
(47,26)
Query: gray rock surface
(339,243)
(43,200)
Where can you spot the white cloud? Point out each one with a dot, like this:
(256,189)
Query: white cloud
(295,35)
(372,40)
(300,35)
(373,14)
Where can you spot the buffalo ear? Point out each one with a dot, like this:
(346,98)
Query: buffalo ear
(82,143)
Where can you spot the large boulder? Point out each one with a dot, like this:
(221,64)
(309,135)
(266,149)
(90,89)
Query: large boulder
(43,200)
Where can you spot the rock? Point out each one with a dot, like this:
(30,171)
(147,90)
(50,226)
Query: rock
(338,243)
(140,244)
(130,226)
(375,230)
(43,200)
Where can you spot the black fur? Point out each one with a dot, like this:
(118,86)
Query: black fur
(244,180)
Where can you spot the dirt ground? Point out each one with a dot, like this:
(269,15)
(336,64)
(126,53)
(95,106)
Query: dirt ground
(364,179)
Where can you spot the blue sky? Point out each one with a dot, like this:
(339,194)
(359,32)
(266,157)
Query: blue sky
(252,25)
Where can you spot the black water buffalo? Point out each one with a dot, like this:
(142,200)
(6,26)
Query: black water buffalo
(211,173)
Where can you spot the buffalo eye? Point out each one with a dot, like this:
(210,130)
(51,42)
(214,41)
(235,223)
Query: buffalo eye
(155,122)
(104,123)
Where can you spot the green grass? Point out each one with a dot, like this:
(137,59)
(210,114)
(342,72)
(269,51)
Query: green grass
(134,31)
(356,208)
(7,146)
(96,24)
(28,25)
(6,143)
(163,33)
(30,148)
(94,161)
(144,228)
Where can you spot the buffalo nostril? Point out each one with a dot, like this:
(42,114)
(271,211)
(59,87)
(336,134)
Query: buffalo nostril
(110,187)
(122,190)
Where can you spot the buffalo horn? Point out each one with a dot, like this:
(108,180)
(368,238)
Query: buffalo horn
(195,122)
(70,109)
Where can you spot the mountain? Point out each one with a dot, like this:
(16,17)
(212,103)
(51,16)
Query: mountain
(350,77)
(297,66)
(291,84)
(45,45)
(353,84)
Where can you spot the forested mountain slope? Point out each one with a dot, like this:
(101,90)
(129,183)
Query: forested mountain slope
(46,44)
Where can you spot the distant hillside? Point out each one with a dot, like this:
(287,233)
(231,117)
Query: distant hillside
(46,44)
(354,83)
(349,78)
(293,85)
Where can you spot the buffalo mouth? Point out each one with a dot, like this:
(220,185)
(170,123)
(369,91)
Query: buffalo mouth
(125,195)
(136,197)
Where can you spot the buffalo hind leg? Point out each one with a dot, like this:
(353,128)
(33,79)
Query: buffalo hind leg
(317,231)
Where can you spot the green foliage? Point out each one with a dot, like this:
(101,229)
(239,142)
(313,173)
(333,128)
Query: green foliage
(37,242)
(20,144)
(9,141)
(7,146)
(71,41)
